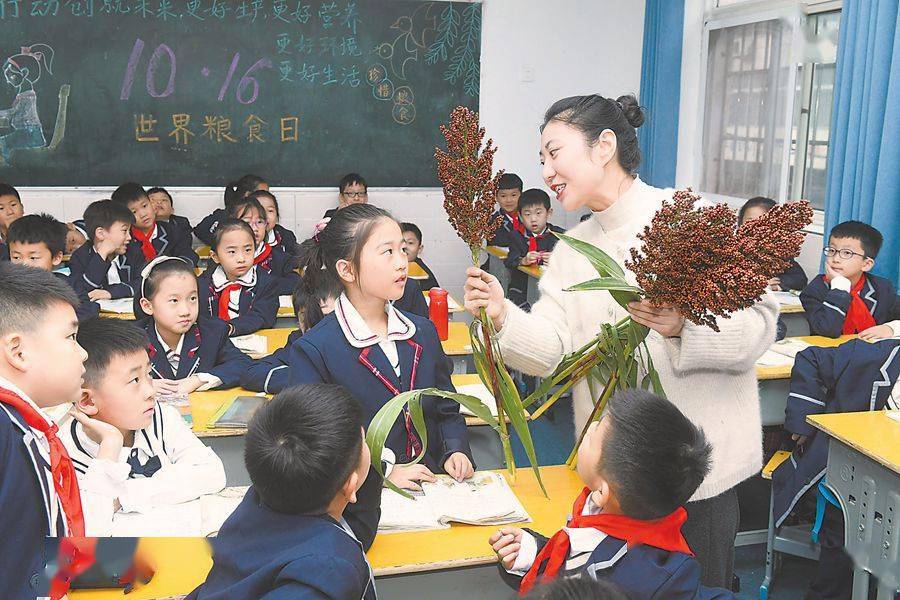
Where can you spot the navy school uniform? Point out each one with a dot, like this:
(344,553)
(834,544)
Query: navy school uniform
(171,241)
(826,308)
(182,226)
(258,302)
(282,261)
(206,228)
(412,300)
(339,350)
(794,278)
(88,309)
(518,246)
(504,234)
(89,272)
(31,508)
(205,348)
(260,553)
(270,374)
(426,284)
(4,252)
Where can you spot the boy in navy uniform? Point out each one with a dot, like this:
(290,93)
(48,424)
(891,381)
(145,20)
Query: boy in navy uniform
(509,190)
(856,376)
(307,457)
(412,235)
(38,487)
(153,238)
(534,247)
(38,241)
(640,464)
(107,266)
(847,299)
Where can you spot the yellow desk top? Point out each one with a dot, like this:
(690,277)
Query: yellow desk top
(202,251)
(788,309)
(416,272)
(497,251)
(458,342)
(874,434)
(275,338)
(181,565)
(532,271)
(764,373)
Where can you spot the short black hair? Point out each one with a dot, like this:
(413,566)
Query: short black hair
(577,587)
(104,339)
(27,293)
(315,286)
(510,181)
(869,238)
(8,190)
(534,197)
(39,229)
(266,194)
(226,225)
(351,179)
(238,208)
(104,214)
(413,229)
(161,190)
(129,192)
(653,457)
(302,446)
(755,202)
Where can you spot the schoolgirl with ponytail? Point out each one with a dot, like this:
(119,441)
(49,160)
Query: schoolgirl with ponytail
(235,190)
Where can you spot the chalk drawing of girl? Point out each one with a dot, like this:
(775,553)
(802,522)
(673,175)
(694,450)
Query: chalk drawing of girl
(22,71)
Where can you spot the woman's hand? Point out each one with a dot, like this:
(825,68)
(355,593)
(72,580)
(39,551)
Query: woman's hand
(665,319)
(483,290)
(458,466)
(410,476)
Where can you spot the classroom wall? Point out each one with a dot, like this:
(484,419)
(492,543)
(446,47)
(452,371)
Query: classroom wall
(582,46)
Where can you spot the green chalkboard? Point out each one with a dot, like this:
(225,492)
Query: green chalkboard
(95,92)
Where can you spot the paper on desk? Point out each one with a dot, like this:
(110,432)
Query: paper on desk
(774,359)
(787,298)
(789,346)
(482,393)
(285,302)
(122,306)
(198,518)
(252,344)
(484,499)
(893,414)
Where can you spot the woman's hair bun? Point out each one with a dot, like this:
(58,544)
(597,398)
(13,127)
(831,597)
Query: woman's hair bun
(633,111)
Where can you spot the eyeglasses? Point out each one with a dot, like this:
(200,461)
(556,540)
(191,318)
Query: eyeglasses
(355,195)
(844,253)
(256,223)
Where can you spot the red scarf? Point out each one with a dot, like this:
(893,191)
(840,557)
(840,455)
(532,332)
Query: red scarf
(225,298)
(858,316)
(516,223)
(264,256)
(664,533)
(61,467)
(146,242)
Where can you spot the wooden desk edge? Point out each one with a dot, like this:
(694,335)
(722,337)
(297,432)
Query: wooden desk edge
(443,565)
(878,458)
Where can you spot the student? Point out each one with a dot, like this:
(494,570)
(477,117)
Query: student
(10,210)
(277,235)
(187,353)
(130,452)
(107,266)
(508,192)
(312,299)
(855,376)
(38,241)
(233,289)
(352,189)
(534,247)
(164,207)
(412,238)
(154,238)
(246,185)
(76,235)
(377,351)
(307,458)
(273,258)
(640,463)
(794,277)
(38,488)
(848,299)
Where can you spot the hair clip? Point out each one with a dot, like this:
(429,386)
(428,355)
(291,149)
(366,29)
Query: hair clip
(148,268)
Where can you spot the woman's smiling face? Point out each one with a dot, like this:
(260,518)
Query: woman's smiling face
(571,167)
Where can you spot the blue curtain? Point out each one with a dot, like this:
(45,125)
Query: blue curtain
(864,146)
(661,90)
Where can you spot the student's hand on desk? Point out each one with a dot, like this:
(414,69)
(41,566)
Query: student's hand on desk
(167,387)
(458,466)
(483,290)
(408,477)
(99,295)
(879,332)
(775,284)
(506,543)
(545,258)
(110,437)
(665,320)
(186,386)
(530,259)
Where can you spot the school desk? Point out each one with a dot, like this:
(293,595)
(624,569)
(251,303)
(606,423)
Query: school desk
(864,473)
(458,346)
(416,271)
(453,305)
(203,252)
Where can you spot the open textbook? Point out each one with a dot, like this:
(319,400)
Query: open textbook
(485,499)
(122,306)
(198,518)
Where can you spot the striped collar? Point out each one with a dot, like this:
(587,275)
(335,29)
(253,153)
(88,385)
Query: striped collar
(358,333)
(271,238)
(165,347)
(220,280)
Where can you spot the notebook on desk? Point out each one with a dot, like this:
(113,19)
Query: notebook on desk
(236,413)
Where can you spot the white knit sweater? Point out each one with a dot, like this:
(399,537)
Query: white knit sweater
(710,376)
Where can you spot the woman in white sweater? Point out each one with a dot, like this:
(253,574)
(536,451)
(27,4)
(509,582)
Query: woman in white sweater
(589,154)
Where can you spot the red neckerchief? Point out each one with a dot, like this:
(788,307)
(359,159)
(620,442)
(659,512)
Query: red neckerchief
(663,533)
(146,242)
(75,557)
(225,299)
(264,257)
(858,316)
(516,223)
(413,443)
(533,242)
(61,467)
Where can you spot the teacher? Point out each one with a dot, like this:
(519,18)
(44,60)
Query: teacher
(589,152)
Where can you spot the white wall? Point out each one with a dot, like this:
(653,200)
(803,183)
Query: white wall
(570,46)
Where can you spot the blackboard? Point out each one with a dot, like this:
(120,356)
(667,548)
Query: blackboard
(199,92)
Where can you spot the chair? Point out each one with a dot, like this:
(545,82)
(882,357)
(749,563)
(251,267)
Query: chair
(59,131)
(793,540)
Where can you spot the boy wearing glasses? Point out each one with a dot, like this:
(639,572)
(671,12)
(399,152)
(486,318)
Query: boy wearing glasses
(353,190)
(847,299)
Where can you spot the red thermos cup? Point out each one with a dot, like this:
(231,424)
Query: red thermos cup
(438,312)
